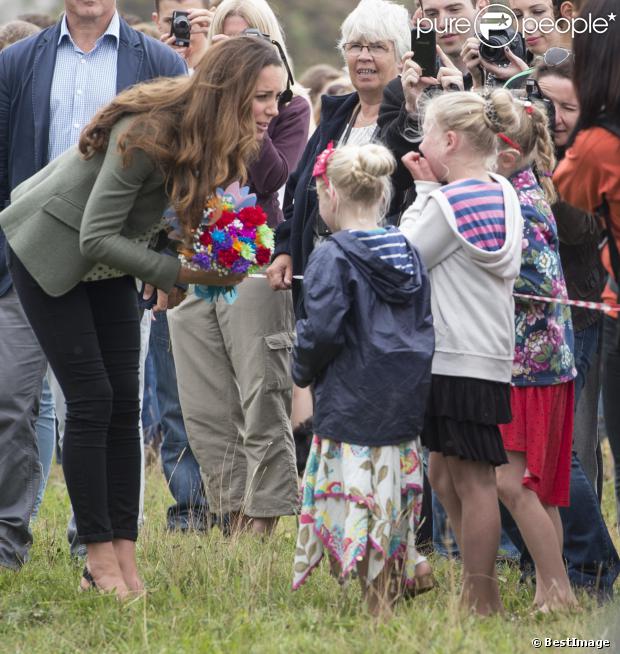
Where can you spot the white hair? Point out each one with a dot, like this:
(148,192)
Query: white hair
(378,20)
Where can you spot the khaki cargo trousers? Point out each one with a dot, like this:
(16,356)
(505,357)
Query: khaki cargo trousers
(235,387)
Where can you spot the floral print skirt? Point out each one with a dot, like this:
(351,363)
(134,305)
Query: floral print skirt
(355,497)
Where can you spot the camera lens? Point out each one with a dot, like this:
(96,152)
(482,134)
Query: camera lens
(181,26)
(493,49)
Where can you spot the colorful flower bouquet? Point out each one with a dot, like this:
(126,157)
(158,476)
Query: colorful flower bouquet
(233,238)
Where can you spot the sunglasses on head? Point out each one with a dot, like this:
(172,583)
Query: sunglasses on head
(286,96)
(557,56)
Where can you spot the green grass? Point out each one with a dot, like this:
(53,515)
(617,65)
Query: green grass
(210,594)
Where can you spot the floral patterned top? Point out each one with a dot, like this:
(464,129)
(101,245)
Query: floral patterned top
(544,332)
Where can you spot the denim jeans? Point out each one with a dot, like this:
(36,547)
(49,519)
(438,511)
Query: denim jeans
(591,558)
(587,390)
(586,346)
(181,469)
(22,368)
(46,441)
(611,388)
(151,420)
(587,543)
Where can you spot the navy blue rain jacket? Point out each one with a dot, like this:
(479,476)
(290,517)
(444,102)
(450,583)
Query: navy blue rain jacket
(367,344)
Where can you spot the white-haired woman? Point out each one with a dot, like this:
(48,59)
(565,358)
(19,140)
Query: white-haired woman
(374,37)
(236,400)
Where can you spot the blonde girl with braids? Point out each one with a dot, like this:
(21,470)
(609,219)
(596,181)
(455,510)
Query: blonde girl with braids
(538,440)
(466,223)
(366,347)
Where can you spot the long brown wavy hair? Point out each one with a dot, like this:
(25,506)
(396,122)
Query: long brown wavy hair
(200,131)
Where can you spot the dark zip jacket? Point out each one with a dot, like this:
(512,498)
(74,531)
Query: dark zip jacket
(295,236)
(366,345)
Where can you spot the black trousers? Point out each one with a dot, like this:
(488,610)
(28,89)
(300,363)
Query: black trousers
(91,337)
(611,389)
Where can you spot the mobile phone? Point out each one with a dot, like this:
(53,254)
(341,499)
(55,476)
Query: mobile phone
(180,28)
(424,47)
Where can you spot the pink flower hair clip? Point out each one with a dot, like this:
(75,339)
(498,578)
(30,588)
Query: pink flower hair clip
(320,165)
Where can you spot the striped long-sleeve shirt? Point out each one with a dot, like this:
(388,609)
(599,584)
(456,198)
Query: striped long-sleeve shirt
(479,210)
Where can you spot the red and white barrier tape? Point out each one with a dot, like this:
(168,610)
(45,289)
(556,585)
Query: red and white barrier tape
(593,306)
(263,276)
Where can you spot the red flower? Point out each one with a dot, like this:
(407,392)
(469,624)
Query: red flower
(226,258)
(253,216)
(225,219)
(263,255)
(205,238)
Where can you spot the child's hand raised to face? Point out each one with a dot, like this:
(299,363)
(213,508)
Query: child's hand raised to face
(419,168)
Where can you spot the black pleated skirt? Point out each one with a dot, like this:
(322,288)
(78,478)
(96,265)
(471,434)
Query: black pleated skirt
(462,417)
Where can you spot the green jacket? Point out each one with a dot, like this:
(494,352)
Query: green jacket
(75,213)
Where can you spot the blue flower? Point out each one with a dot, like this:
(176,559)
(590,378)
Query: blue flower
(221,239)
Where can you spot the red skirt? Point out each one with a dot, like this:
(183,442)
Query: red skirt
(542,427)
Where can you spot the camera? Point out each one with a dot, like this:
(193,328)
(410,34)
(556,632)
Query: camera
(493,50)
(181,28)
(534,94)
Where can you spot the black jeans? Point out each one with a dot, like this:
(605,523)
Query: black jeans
(611,388)
(91,337)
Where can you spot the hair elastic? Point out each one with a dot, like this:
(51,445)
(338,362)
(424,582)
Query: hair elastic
(320,165)
(508,141)
(490,112)
(527,106)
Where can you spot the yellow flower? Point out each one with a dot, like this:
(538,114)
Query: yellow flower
(237,245)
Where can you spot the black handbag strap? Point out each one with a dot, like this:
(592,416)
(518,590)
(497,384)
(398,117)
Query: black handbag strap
(614,255)
(611,125)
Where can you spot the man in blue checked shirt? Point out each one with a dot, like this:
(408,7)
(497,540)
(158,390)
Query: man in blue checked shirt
(51,85)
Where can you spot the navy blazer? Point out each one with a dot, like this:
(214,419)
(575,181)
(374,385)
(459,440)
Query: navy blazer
(26,73)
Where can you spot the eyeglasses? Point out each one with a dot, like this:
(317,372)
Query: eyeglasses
(375,49)
(557,56)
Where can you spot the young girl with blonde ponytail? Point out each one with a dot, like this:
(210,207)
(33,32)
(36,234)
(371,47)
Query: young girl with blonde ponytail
(366,346)
(468,233)
(538,440)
